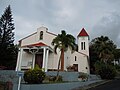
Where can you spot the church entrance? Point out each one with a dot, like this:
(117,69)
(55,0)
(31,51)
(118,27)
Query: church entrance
(76,67)
(39,60)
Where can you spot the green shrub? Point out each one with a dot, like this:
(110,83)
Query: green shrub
(83,76)
(105,71)
(34,76)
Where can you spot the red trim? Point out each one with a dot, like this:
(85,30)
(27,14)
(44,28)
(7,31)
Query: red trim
(83,33)
(36,44)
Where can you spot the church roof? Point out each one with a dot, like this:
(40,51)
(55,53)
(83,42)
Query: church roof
(83,33)
(36,44)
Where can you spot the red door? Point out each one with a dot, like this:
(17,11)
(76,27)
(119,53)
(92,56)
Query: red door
(39,60)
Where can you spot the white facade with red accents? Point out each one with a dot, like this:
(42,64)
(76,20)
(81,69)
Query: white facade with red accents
(37,49)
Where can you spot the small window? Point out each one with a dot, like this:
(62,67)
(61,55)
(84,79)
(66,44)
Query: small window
(67,57)
(41,35)
(81,45)
(75,58)
(84,45)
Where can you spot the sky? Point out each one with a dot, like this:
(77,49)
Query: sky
(98,17)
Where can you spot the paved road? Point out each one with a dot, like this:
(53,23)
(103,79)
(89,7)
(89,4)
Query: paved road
(112,85)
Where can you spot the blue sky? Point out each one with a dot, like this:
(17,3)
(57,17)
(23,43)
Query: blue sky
(98,17)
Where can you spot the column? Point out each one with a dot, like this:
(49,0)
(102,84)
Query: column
(33,61)
(46,62)
(44,55)
(20,59)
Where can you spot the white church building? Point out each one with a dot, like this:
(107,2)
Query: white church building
(37,49)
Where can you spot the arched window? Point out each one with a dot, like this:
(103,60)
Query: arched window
(41,35)
(75,58)
(82,45)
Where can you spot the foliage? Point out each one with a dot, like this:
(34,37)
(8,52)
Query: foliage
(34,76)
(9,51)
(117,67)
(117,54)
(104,48)
(106,71)
(83,76)
(63,41)
(71,68)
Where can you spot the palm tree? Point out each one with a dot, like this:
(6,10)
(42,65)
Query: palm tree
(63,41)
(104,48)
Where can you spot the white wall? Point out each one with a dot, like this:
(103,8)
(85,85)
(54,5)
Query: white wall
(69,59)
(29,40)
(86,40)
(34,38)
(26,59)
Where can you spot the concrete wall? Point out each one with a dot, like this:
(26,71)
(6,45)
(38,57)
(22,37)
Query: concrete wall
(67,76)
(8,75)
(11,75)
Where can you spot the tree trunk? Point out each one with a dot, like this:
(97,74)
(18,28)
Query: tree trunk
(62,59)
(57,77)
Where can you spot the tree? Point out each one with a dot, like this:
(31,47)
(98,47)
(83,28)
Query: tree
(117,54)
(63,41)
(7,48)
(104,48)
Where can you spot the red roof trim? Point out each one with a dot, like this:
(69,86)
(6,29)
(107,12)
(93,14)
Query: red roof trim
(83,33)
(39,44)
(36,44)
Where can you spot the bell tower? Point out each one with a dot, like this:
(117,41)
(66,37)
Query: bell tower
(83,42)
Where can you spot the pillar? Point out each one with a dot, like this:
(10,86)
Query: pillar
(44,55)
(33,60)
(46,61)
(20,59)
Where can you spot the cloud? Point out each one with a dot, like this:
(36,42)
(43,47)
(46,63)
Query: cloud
(98,17)
(24,27)
(109,26)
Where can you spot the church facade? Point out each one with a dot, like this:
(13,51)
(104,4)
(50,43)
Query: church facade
(37,49)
